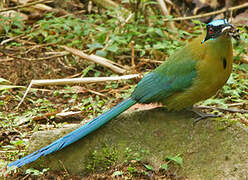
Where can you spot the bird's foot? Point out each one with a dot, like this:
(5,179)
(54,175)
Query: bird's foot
(203,115)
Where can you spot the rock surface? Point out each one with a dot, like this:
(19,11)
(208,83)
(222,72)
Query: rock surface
(210,149)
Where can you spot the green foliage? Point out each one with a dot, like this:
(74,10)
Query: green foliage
(235,88)
(149,167)
(212,101)
(171,161)
(104,34)
(164,167)
(66,30)
(93,106)
(36,172)
(136,155)
(117,173)
(100,160)
(17,143)
(241,45)
(131,170)
(12,26)
(177,159)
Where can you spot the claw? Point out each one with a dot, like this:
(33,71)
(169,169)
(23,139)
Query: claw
(203,115)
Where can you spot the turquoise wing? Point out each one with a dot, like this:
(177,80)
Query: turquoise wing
(165,80)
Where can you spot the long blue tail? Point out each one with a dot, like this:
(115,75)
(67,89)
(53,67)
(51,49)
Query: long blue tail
(76,134)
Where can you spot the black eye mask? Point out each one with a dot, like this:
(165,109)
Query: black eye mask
(213,32)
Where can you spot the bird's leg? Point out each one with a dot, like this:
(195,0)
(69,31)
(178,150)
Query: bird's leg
(202,115)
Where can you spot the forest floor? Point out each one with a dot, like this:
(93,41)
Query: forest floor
(34,46)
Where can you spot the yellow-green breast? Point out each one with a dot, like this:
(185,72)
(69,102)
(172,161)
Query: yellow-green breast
(214,65)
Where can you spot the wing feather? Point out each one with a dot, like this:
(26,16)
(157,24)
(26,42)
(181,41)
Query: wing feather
(165,80)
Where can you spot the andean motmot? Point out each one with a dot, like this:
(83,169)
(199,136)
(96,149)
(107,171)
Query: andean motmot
(192,74)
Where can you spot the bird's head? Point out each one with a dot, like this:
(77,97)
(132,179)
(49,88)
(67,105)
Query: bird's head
(218,27)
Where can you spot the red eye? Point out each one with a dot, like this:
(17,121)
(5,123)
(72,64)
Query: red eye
(211,31)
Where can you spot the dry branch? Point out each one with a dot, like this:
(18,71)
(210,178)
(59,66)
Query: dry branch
(151,60)
(25,5)
(46,82)
(96,59)
(10,39)
(209,14)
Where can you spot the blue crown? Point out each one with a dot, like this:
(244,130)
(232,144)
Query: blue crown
(218,22)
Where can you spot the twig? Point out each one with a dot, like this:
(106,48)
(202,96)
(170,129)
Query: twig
(25,5)
(46,115)
(133,54)
(10,39)
(5,151)
(49,126)
(66,171)
(7,59)
(37,46)
(165,11)
(208,14)
(39,6)
(95,92)
(59,54)
(74,81)
(244,59)
(151,60)
(108,42)
(67,114)
(25,177)
(236,104)
(223,109)
(97,59)
(126,21)
(25,94)
(46,82)
(44,7)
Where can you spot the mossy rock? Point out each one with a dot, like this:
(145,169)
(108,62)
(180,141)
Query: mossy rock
(211,149)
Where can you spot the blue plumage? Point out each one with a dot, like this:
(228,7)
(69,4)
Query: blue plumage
(218,22)
(76,134)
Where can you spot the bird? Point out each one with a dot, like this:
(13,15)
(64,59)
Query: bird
(193,73)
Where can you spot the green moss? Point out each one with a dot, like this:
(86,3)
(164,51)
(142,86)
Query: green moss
(138,154)
(101,159)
